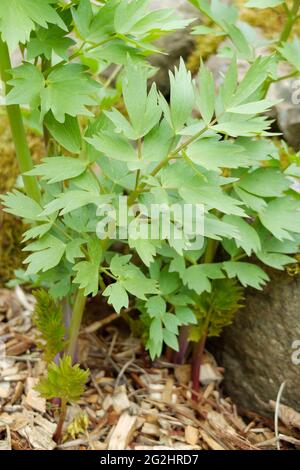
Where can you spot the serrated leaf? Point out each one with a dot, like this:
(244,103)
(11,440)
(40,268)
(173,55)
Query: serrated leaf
(185,315)
(195,278)
(281,217)
(156,330)
(73,249)
(256,203)
(64,380)
(87,277)
(140,286)
(19,18)
(239,40)
(47,253)
(113,146)
(145,249)
(171,322)
(74,199)
(56,169)
(275,260)
(68,134)
(156,306)
(117,296)
(213,198)
(206,97)
(145,112)
(255,107)
(264,182)
(47,41)
(182,96)
(18,204)
(170,339)
(291,52)
(27,84)
(83,16)
(69,90)
(254,78)
(213,154)
(248,274)
(249,239)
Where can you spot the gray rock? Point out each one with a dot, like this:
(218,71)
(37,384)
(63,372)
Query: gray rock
(288,111)
(257,349)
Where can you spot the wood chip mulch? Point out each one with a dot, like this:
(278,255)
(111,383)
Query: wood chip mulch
(129,403)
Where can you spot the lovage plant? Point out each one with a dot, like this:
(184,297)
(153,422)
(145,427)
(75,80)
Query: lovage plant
(167,206)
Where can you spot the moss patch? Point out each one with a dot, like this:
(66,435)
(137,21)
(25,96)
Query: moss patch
(11,228)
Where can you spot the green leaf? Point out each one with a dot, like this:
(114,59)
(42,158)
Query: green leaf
(73,249)
(206,97)
(145,112)
(156,331)
(156,306)
(19,18)
(228,87)
(185,315)
(132,17)
(254,78)
(68,134)
(64,380)
(275,260)
(281,217)
(264,182)
(56,169)
(171,322)
(83,16)
(145,249)
(239,40)
(74,199)
(249,239)
(248,274)
(140,286)
(117,296)
(212,197)
(68,91)
(27,84)
(87,276)
(47,253)
(18,204)
(113,146)
(170,339)
(182,96)
(195,278)
(254,202)
(38,231)
(255,107)
(47,41)
(291,52)
(213,154)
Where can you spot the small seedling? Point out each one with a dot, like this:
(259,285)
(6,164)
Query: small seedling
(66,382)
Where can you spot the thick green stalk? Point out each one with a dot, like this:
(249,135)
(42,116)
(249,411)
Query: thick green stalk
(292,16)
(76,319)
(17,129)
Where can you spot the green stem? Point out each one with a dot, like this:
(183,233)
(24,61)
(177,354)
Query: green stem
(210,252)
(292,17)
(76,319)
(17,129)
(165,161)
